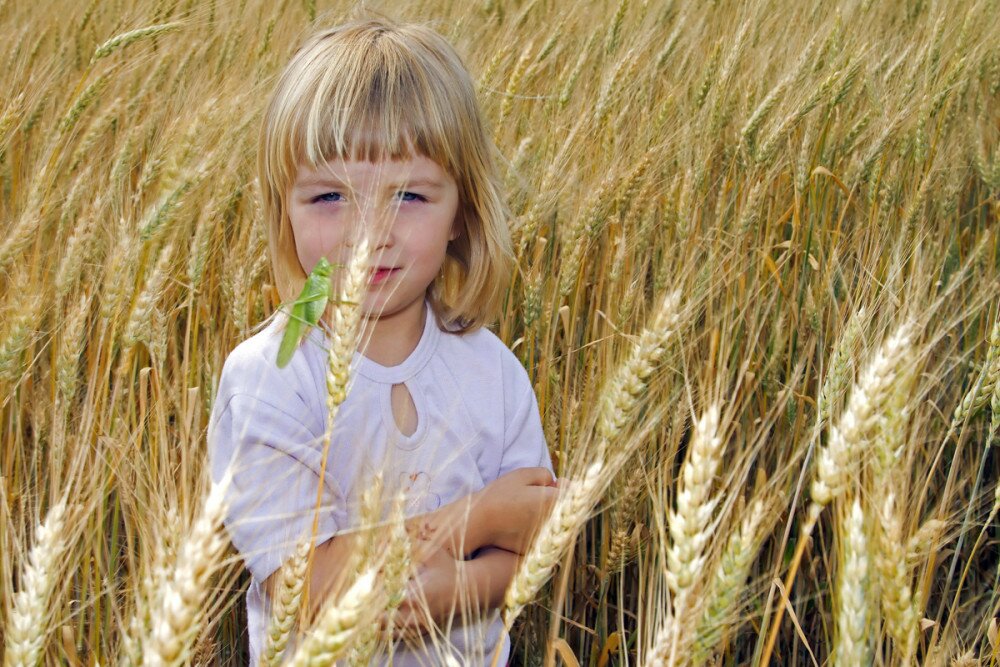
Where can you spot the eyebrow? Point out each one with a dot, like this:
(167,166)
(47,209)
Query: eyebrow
(330,181)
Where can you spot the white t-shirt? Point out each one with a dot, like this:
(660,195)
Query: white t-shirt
(477,418)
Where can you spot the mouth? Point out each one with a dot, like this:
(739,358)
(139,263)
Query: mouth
(381,273)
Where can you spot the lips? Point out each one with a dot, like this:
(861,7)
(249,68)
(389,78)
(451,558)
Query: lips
(381,273)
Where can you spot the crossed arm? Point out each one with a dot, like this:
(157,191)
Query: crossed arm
(465,552)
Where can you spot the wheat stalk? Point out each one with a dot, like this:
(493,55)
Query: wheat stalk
(622,520)
(838,457)
(17,337)
(981,392)
(514,83)
(345,318)
(622,393)
(395,575)
(78,250)
(121,41)
(838,378)
(138,327)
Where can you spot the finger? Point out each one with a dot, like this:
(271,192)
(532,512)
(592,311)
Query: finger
(539,476)
(536,476)
(407,626)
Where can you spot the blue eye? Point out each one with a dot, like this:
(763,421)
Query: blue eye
(323,197)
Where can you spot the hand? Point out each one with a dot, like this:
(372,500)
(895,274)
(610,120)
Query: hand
(431,595)
(517,504)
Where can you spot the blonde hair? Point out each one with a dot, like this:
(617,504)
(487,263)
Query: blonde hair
(372,89)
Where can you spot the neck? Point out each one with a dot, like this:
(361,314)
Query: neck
(392,338)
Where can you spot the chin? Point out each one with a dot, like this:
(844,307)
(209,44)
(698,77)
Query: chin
(379,305)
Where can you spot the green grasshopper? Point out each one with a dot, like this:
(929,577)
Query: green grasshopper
(306,310)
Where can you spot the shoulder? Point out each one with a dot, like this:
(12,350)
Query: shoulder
(251,369)
(481,353)
(481,347)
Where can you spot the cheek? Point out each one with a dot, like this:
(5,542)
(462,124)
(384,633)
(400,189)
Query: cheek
(314,236)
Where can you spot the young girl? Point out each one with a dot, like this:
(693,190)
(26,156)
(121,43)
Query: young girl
(374,126)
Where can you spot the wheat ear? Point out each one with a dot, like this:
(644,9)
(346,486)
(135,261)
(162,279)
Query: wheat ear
(286,604)
(838,458)
(628,383)
(622,521)
(689,526)
(570,511)
(899,606)
(340,623)
(176,622)
(851,645)
(395,574)
(981,392)
(121,41)
(25,631)
(838,378)
(346,318)
(730,576)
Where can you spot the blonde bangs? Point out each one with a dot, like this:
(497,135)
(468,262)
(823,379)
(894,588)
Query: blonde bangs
(375,91)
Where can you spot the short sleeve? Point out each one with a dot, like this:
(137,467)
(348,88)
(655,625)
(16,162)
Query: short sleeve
(275,462)
(524,441)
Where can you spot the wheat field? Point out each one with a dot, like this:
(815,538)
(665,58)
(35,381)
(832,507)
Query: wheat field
(756,292)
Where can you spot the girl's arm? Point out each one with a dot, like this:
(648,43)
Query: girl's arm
(458,527)
(492,571)
(473,588)
(468,589)
(505,514)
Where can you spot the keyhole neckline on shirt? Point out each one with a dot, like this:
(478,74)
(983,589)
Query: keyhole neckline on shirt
(397,437)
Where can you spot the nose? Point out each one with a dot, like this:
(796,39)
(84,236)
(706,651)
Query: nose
(376,224)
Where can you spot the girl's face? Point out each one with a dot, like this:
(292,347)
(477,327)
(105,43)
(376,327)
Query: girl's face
(406,207)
